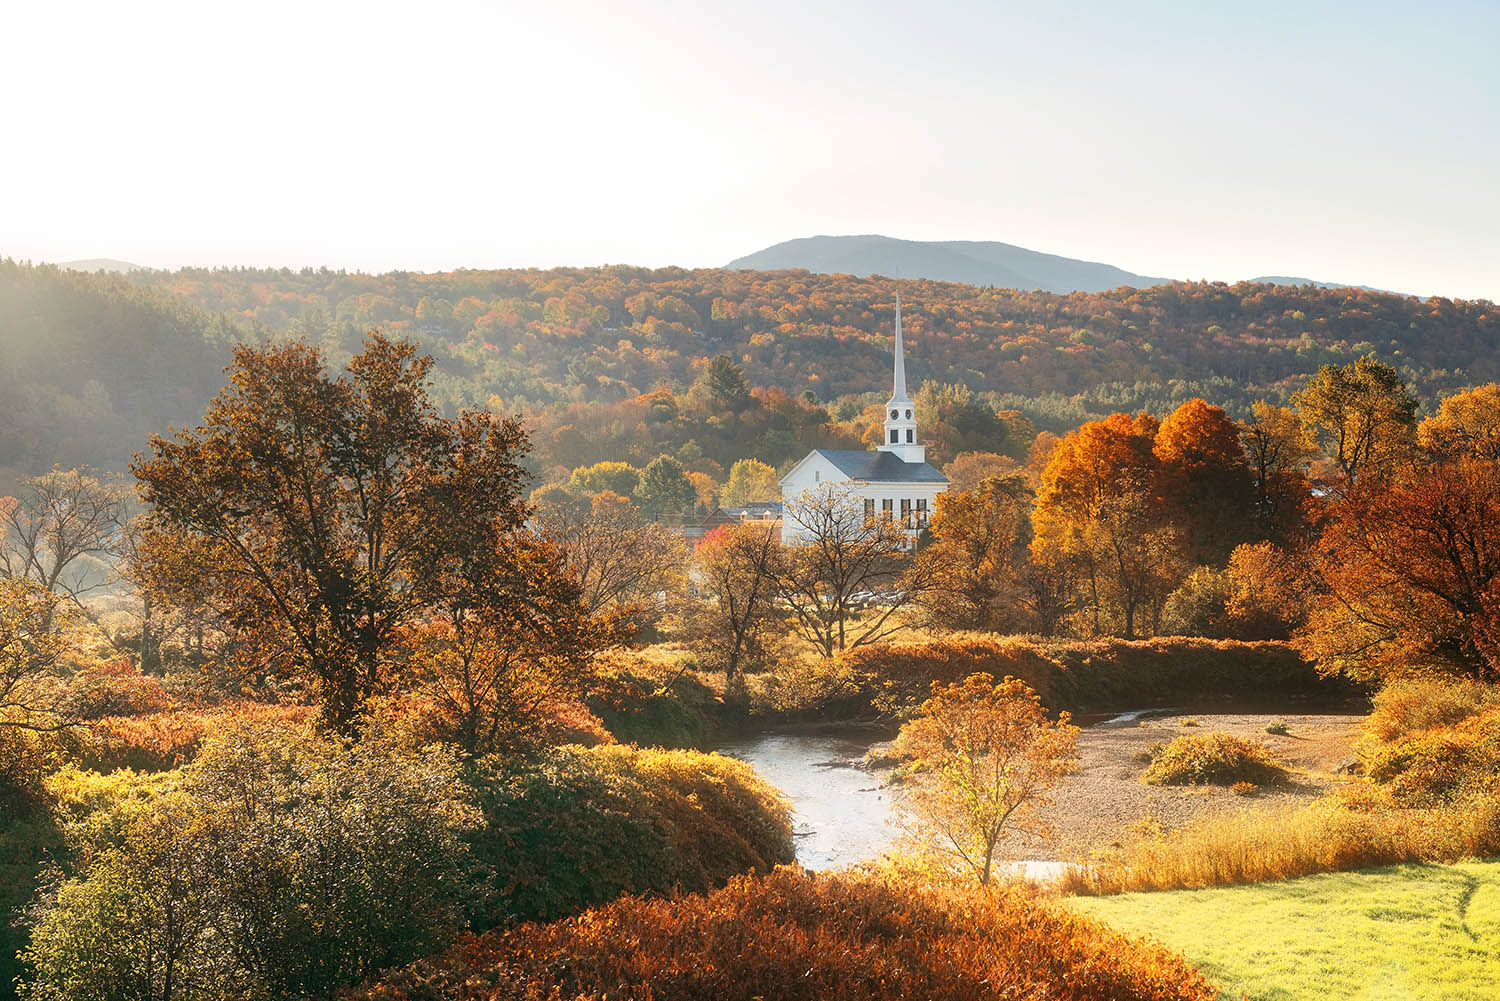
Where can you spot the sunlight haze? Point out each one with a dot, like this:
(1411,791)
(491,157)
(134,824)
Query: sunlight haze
(1167,139)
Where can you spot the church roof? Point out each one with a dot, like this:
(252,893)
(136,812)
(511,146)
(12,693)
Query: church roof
(880,467)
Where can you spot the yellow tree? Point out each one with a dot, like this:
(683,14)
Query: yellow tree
(1466,423)
(750,480)
(1361,415)
(979,756)
(1278,449)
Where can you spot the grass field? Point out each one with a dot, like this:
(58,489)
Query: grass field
(1405,933)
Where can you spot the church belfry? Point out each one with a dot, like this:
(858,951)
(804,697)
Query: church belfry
(900,414)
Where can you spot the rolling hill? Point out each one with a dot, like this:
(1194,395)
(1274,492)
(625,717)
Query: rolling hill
(970,262)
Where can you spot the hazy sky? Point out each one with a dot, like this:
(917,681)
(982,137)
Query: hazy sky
(1351,142)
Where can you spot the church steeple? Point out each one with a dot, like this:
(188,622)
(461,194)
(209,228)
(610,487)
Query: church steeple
(900,415)
(898,392)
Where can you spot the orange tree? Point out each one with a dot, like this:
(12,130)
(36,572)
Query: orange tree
(1410,574)
(1098,514)
(978,547)
(318,515)
(977,756)
(1203,480)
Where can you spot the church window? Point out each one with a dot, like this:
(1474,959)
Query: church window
(908,415)
(905,510)
(909,433)
(921,510)
(869,509)
(895,414)
(885,509)
(895,436)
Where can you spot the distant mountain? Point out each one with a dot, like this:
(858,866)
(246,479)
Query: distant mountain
(96,264)
(1286,280)
(967,261)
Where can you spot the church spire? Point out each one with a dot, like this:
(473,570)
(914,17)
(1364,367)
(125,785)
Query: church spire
(900,422)
(898,392)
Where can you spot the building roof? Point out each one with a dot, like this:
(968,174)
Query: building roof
(755,509)
(880,467)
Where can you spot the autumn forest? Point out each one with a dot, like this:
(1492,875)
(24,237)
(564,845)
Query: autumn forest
(417,636)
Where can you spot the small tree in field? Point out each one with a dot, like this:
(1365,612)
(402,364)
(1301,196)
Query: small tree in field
(976,757)
(734,563)
(843,561)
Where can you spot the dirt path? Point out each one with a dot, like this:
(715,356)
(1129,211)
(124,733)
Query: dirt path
(1098,805)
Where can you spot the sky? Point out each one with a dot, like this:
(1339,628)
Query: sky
(1342,142)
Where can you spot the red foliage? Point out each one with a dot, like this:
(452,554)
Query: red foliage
(795,936)
(163,740)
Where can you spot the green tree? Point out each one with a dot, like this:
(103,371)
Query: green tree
(722,386)
(617,477)
(665,492)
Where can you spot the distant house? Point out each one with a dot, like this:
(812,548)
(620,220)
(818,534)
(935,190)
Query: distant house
(893,481)
(719,517)
(757,511)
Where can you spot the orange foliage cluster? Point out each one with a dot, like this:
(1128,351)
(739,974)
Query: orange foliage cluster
(162,740)
(115,688)
(795,936)
(1084,674)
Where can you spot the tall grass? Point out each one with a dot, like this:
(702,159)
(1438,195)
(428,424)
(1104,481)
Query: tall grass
(1354,831)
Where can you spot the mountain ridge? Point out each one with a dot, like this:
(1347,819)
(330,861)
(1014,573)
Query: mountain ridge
(971,262)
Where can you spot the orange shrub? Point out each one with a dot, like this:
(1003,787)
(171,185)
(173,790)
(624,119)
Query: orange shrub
(115,688)
(795,936)
(1086,674)
(163,740)
(1432,766)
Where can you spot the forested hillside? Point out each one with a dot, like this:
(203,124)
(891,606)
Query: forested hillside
(95,362)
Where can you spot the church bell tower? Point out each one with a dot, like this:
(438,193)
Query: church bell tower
(900,415)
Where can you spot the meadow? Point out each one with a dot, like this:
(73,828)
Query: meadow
(1410,932)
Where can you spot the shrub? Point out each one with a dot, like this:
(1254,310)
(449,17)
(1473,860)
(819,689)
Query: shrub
(795,936)
(277,865)
(638,707)
(114,688)
(1404,706)
(1187,721)
(1440,764)
(582,827)
(1244,788)
(162,740)
(1214,759)
(1081,675)
(1277,728)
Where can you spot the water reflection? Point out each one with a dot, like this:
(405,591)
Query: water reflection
(841,809)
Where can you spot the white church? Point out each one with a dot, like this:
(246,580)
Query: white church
(894,481)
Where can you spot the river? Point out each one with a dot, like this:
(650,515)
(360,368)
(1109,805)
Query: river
(840,808)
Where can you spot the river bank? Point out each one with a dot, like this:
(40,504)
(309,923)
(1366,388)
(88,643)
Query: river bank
(844,811)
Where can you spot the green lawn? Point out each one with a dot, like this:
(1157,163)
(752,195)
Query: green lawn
(1405,933)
